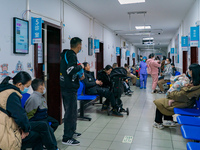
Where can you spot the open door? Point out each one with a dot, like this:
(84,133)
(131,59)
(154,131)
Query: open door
(169,55)
(99,58)
(49,69)
(173,59)
(185,58)
(133,61)
(119,59)
(128,61)
(194,55)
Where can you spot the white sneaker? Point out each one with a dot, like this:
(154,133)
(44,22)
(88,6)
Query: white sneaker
(153,91)
(169,123)
(159,126)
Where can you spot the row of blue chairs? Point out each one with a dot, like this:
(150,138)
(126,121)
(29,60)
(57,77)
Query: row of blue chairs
(190,121)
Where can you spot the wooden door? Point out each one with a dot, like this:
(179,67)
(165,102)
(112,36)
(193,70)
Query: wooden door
(53,72)
(128,62)
(119,58)
(169,55)
(194,55)
(133,61)
(99,58)
(185,53)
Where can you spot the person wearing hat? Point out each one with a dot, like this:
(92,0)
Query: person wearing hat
(143,73)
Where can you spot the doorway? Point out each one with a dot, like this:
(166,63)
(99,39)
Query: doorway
(119,59)
(173,59)
(169,55)
(185,53)
(99,58)
(49,69)
(194,55)
(134,61)
(128,62)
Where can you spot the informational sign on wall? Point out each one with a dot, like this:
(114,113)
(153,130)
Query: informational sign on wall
(172,50)
(96,46)
(127,53)
(194,36)
(117,51)
(36,30)
(133,55)
(184,43)
(40,53)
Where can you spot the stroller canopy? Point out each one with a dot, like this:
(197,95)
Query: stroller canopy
(118,72)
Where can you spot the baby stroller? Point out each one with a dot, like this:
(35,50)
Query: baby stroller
(117,76)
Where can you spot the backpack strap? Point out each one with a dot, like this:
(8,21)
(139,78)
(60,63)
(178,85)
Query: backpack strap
(4,111)
(66,57)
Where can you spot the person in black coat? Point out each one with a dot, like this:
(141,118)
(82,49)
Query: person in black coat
(95,87)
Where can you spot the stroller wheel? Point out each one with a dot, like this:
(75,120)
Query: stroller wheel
(127,111)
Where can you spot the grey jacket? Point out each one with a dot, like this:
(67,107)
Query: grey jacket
(168,72)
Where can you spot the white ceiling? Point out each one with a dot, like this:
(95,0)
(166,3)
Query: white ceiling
(164,16)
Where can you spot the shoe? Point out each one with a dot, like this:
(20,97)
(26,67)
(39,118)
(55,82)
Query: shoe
(116,113)
(71,141)
(104,107)
(169,123)
(128,94)
(141,87)
(144,87)
(130,91)
(153,91)
(158,126)
(76,135)
(161,92)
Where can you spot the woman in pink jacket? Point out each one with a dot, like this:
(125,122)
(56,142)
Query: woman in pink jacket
(152,69)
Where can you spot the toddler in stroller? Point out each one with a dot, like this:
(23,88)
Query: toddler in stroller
(117,77)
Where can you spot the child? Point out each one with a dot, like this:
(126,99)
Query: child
(36,105)
(180,81)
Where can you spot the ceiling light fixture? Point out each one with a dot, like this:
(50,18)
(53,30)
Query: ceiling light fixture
(143,27)
(149,38)
(130,1)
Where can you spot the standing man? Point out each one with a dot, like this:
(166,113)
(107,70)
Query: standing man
(69,82)
(167,75)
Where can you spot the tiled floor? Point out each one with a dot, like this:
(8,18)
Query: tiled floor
(107,132)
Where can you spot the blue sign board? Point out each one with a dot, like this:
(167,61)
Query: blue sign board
(36,30)
(184,41)
(127,53)
(133,55)
(117,51)
(194,33)
(96,45)
(172,50)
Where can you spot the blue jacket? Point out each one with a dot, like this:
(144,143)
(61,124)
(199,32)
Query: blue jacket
(143,67)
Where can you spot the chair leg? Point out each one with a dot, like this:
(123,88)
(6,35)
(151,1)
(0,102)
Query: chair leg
(82,112)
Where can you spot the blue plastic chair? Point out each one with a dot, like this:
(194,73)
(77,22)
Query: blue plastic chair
(177,73)
(188,120)
(195,111)
(24,99)
(193,146)
(190,132)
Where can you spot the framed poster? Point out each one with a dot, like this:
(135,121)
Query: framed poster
(20,36)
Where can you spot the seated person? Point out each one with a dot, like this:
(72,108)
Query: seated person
(127,89)
(173,69)
(185,98)
(129,74)
(36,105)
(167,75)
(95,88)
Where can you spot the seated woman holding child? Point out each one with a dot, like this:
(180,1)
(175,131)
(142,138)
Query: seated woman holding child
(183,97)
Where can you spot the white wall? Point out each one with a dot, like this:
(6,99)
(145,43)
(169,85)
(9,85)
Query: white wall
(190,19)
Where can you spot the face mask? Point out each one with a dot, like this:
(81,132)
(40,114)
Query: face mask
(44,91)
(25,90)
(144,60)
(79,50)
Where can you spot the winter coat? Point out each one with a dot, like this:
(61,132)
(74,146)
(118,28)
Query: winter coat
(185,98)
(104,78)
(10,100)
(143,66)
(153,66)
(90,83)
(168,72)
(69,79)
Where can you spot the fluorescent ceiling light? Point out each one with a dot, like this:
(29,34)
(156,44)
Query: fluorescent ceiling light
(142,27)
(149,38)
(130,1)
